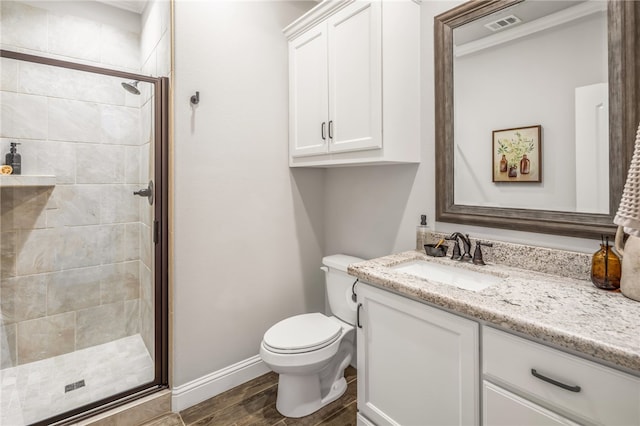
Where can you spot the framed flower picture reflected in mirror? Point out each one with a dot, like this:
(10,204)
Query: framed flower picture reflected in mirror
(517,154)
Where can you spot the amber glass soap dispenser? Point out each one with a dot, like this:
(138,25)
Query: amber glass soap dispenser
(606,268)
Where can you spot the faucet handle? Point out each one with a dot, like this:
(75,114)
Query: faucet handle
(477,254)
(456,255)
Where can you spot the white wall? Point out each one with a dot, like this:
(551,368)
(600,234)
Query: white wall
(248,230)
(373,211)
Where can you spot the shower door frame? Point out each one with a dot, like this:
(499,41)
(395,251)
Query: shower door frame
(160,235)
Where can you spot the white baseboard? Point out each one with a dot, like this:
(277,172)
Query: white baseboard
(205,387)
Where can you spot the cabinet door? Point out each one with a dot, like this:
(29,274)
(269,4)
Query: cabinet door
(308,93)
(417,365)
(355,77)
(502,408)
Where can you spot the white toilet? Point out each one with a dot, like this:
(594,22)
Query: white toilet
(311,351)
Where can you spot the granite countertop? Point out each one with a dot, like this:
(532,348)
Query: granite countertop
(565,312)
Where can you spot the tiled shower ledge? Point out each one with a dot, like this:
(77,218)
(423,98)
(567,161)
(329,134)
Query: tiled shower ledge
(13,181)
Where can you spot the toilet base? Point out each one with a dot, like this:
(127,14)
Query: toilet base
(299,396)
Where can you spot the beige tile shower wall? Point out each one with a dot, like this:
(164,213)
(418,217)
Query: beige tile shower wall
(155,57)
(147,304)
(94,34)
(70,270)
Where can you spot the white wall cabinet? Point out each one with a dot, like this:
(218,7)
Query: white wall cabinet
(309,93)
(417,365)
(345,58)
(335,97)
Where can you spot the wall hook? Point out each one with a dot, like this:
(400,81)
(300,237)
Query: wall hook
(195,99)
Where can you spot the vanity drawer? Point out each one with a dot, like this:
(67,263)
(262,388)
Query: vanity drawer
(503,408)
(605,396)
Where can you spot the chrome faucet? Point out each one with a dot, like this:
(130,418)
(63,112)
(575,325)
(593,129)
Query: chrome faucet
(466,244)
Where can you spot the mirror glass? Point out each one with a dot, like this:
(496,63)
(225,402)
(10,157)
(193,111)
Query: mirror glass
(535,63)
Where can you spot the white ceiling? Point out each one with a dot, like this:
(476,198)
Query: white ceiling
(136,6)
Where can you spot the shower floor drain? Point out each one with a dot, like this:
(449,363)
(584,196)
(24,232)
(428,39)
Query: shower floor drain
(74,386)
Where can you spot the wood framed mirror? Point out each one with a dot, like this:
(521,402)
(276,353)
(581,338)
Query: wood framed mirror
(623,51)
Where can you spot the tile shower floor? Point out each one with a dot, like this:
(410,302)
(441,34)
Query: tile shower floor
(35,391)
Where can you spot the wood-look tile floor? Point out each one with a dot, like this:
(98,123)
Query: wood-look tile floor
(254,403)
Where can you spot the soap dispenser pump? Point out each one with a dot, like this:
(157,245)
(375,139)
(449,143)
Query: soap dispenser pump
(423,224)
(14,159)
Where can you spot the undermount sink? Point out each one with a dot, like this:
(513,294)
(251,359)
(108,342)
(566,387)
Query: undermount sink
(449,274)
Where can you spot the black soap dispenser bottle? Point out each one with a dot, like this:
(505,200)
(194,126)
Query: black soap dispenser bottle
(14,159)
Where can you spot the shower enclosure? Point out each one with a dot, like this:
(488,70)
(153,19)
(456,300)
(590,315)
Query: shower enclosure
(83,238)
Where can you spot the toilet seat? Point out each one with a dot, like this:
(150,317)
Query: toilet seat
(302,333)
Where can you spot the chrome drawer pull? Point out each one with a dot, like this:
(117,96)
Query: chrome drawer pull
(554,382)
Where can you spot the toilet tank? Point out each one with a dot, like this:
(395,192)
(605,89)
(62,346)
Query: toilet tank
(339,286)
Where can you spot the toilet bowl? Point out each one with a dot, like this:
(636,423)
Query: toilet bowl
(311,351)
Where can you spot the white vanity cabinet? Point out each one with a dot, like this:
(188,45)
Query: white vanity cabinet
(530,383)
(417,365)
(354,84)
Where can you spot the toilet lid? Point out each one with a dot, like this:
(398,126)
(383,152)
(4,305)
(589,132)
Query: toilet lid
(302,333)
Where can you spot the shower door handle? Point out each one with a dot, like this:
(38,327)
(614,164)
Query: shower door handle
(146,192)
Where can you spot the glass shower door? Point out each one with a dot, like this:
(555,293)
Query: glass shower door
(77,283)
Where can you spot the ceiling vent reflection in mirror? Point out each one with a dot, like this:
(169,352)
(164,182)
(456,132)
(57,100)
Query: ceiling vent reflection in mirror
(502,23)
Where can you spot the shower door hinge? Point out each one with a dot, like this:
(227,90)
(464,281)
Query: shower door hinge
(156,231)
